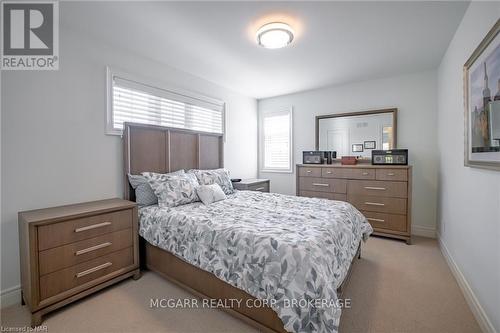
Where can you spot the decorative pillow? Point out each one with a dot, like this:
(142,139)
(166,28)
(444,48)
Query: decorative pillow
(216,176)
(174,190)
(144,194)
(210,193)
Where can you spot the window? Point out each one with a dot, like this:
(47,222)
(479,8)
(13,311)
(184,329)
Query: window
(276,140)
(132,100)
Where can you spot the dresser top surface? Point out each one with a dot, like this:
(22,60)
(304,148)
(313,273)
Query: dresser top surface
(75,210)
(359,165)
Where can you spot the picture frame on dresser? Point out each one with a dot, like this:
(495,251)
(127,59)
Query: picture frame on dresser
(482,103)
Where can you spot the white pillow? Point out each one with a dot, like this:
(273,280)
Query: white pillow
(210,193)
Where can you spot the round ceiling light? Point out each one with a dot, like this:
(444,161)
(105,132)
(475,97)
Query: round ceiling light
(274,35)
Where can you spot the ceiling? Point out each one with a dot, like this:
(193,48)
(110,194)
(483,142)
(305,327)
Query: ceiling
(335,42)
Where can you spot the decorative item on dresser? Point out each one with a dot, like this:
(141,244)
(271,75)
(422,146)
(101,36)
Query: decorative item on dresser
(261,185)
(381,193)
(69,252)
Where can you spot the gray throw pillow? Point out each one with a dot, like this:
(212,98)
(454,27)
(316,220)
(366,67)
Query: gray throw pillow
(216,176)
(174,190)
(144,194)
(210,193)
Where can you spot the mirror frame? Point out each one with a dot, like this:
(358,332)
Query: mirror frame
(394,112)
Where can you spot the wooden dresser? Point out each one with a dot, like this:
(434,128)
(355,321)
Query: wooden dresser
(69,252)
(381,193)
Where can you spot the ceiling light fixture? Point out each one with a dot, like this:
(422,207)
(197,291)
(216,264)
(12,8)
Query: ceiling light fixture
(274,35)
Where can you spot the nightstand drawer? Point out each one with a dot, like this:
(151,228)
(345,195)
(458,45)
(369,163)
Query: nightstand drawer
(262,187)
(72,254)
(66,279)
(66,232)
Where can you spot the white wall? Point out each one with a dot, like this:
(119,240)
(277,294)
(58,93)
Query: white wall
(469,198)
(54,150)
(414,96)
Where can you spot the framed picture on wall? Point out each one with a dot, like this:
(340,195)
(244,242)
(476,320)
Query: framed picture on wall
(370,144)
(357,148)
(482,103)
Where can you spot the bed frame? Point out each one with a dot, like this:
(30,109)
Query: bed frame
(163,149)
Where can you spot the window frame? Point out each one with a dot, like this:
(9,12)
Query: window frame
(275,111)
(156,84)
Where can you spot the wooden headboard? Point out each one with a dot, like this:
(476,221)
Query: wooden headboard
(166,149)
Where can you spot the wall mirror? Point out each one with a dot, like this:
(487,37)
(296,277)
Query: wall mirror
(357,133)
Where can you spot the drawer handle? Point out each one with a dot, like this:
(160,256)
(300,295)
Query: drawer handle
(374,204)
(376,220)
(308,171)
(375,188)
(92,248)
(93,226)
(259,188)
(391,174)
(321,184)
(329,172)
(365,173)
(92,270)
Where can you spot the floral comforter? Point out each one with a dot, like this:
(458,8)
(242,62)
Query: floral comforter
(279,248)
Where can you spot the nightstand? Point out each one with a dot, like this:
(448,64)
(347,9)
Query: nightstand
(253,184)
(69,252)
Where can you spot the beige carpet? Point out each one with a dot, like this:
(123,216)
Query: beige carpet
(394,288)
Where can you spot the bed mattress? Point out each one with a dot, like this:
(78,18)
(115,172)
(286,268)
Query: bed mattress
(293,252)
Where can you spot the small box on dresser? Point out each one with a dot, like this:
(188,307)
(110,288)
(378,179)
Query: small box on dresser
(69,252)
(381,193)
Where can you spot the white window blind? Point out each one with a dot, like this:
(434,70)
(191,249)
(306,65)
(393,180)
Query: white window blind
(277,141)
(137,102)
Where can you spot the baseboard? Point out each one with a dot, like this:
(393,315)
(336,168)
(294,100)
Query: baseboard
(476,308)
(10,296)
(424,231)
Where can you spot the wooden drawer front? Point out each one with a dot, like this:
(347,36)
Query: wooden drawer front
(388,222)
(322,185)
(324,195)
(66,232)
(378,204)
(392,174)
(379,188)
(72,254)
(66,279)
(309,172)
(262,187)
(333,173)
(357,173)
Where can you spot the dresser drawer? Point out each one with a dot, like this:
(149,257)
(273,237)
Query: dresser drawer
(322,185)
(262,187)
(379,188)
(309,172)
(66,279)
(72,254)
(324,195)
(378,204)
(388,222)
(66,232)
(392,174)
(359,173)
(333,173)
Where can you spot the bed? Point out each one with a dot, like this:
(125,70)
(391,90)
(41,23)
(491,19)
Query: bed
(286,258)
